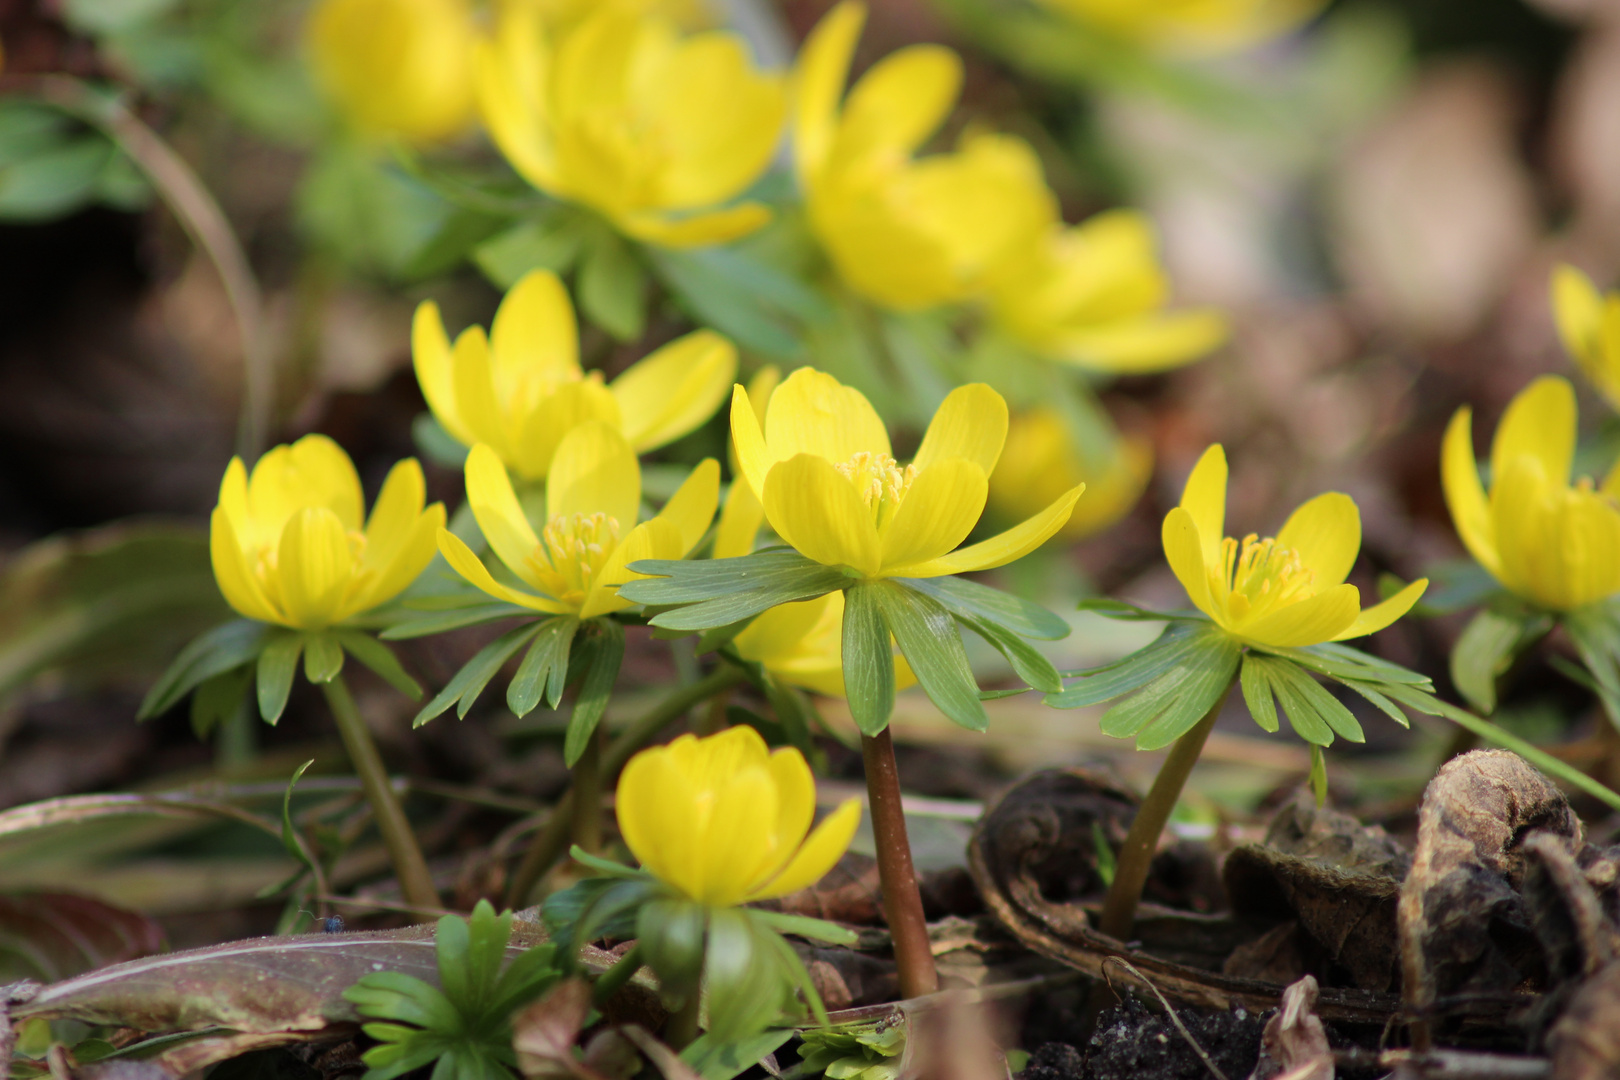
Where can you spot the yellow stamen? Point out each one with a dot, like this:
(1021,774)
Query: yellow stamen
(1258,576)
(880,481)
(573,549)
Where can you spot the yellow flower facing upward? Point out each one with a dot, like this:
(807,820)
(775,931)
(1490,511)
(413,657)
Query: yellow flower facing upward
(520,388)
(1041,461)
(1589,326)
(593,498)
(802,644)
(1094,296)
(726,821)
(1192,25)
(1282,592)
(288,543)
(1553,544)
(832,489)
(624,115)
(909,233)
(397,68)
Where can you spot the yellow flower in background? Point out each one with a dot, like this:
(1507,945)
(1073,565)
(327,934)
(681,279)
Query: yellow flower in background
(1094,295)
(832,489)
(725,821)
(909,233)
(1041,461)
(520,389)
(593,499)
(742,514)
(803,644)
(1589,326)
(1192,25)
(562,14)
(1547,542)
(624,115)
(397,68)
(289,544)
(1284,592)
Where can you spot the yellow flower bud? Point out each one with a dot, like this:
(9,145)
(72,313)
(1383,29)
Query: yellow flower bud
(1041,461)
(288,543)
(726,821)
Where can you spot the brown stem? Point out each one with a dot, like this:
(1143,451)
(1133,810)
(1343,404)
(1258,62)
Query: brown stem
(414,880)
(586,811)
(902,902)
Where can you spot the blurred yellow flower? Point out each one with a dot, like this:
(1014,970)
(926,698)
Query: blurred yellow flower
(622,114)
(1041,461)
(832,489)
(562,14)
(520,389)
(288,544)
(909,233)
(1094,295)
(803,644)
(1192,25)
(1284,592)
(742,514)
(1554,545)
(593,499)
(397,68)
(726,821)
(1589,325)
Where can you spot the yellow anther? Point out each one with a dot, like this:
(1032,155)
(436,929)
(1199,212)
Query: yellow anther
(1259,574)
(880,480)
(573,549)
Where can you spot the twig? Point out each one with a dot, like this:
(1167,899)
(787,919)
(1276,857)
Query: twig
(1209,1063)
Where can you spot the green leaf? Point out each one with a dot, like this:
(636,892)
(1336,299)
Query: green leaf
(718,592)
(1027,661)
(1488,647)
(743,976)
(218,700)
(212,654)
(278,662)
(792,711)
(1319,779)
(380,660)
(464,687)
(594,908)
(544,670)
(55,181)
(806,927)
(1340,661)
(671,935)
(1258,694)
(453,241)
(604,866)
(612,287)
(289,835)
(1377,698)
(1124,612)
(714,295)
(455,618)
(1174,645)
(1173,704)
(604,647)
(716,1060)
(932,645)
(437,444)
(868,659)
(323,658)
(552,241)
(969,599)
(1595,632)
(1314,713)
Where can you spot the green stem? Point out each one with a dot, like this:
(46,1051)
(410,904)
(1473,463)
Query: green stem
(414,880)
(616,976)
(550,842)
(682,1027)
(902,902)
(586,815)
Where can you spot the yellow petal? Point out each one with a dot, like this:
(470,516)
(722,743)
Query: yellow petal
(236,581)
(1465,495)
(692,507)
(464,562)
(655,806)
(1588,546)
(740,520)
(430,353)
(697,230)
(560,412)
(1523,521)
(1156,342)
(394,514)
(1001,549)
(813,413)
(534,329)
(410,558)
(971,423)
(819,77)
(314,471)
(795,810)
(1326,533)
(655,539)
(1578,310)
(476,402)
(510,76)
(595,471)
(1184,551)
(901,101)
(736,839)
(671,392)
(499,515)
(1311,621)
(820,853)
(1204,498)
(936,514)
(1380,615)
(314,567)
(754,458)
(1539,423)
(813,507)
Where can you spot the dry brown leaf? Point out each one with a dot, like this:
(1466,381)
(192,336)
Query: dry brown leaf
(1294,1045)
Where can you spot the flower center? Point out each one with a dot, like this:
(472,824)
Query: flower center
(573,549)
(1260,575)
(881,482)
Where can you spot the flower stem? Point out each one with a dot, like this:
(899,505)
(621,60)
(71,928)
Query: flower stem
(414,880)
(682,1027)
(586,811)
(550,842)
(902,902)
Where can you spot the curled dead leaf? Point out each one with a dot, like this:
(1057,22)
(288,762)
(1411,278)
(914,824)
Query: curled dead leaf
(1294,1045)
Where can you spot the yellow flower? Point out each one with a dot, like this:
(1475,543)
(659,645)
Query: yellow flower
(1554,545)
(1094,296)
(803,644)
(1041,461)
(742,515)
(832,489)
(562,14)
(593,498)
(288,544)
(907,233)
(1589,324)
(625,116)
(725,821)
(1194,25)
(1283,592)
(520,389)
(397,68)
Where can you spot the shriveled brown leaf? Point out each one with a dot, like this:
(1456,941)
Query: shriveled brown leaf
(1295,1045)
(664,1059)
(50,936)
(544,1034)
(1585,1041)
